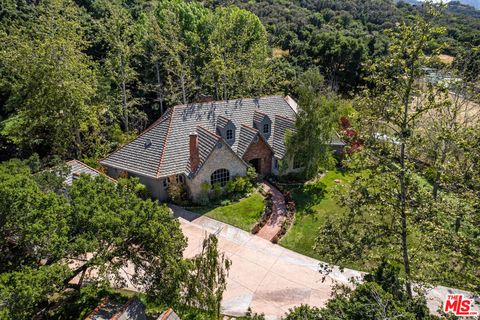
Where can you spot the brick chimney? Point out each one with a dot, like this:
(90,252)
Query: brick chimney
(194,153)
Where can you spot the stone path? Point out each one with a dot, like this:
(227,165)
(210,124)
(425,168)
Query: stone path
(274,224)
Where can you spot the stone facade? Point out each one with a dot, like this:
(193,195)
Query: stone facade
(260,150)
(220,158)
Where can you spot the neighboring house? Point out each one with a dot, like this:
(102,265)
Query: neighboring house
(168,314)
(207,142)
(76,168)
(112,310)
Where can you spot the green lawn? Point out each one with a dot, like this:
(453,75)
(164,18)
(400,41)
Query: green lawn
(243,214)
(313,203)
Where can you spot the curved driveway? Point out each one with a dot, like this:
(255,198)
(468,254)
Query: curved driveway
(267,277)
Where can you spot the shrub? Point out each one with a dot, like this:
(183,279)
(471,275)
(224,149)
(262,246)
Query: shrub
(176,191)
(239,184)
(230,186)
(203,198)
(217,191)
(251,175)
(226,202)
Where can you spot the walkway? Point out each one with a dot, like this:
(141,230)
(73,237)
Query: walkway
(274,224)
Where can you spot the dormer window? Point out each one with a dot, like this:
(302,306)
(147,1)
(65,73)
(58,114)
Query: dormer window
(229,134)
(266,128)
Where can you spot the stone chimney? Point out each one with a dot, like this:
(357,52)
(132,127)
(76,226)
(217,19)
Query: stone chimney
(194,153)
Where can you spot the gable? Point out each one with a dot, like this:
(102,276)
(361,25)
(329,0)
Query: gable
(166,152)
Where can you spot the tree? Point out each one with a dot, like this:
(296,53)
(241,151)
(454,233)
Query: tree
(183,29)
(381,295)
(50,243)
(51,82)
(236,54)
(315,124)
(388,118)
(121,35)
(339,57)
(390,209)
(208,278)
(33,223)
(22,292)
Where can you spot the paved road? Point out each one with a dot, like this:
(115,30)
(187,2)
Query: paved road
(267,277)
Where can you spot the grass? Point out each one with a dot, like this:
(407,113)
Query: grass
(313,203)
(243,214)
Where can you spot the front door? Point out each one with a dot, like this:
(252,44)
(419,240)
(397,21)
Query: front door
(256,163)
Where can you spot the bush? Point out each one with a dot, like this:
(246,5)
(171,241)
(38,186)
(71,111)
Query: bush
(230,186)
(203,197)
(217,191)
(239,184)
(251,175)
(225,202)
(177,192)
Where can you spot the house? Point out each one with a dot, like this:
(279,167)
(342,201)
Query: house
(76,168)
(168,314)
(113,310)
(208,142)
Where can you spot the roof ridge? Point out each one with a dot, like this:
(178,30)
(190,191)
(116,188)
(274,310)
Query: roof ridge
(91,168)
(257,111)
(250,128)
(283,117)
(217,101)
(157,174)
(210,132)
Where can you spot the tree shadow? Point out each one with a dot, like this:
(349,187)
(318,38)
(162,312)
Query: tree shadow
(308,196)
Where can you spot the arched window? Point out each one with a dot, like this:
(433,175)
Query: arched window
(220,176)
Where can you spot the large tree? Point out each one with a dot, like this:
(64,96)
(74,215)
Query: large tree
(121,35)
(315,125)
(103,232)
(236,54)
(50,81)
(390,209)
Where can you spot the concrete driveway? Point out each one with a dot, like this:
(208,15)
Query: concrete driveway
(268,278)
(265,277)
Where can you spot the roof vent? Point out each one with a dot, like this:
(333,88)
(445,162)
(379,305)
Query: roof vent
(148,143)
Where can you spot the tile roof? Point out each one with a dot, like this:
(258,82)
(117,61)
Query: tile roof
(280,127)
(206,142)
(168,153)
(245,137)
(77,168)
(133,309)
(168,315)
(222,122)
(144,154)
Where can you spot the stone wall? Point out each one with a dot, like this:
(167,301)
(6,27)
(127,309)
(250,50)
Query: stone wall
(260,150)
(220,158)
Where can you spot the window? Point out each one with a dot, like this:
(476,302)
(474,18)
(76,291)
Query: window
(266,128)
(220,176)
(275,163)
(180,178)
(165,183)
(229,134)
(297,164)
